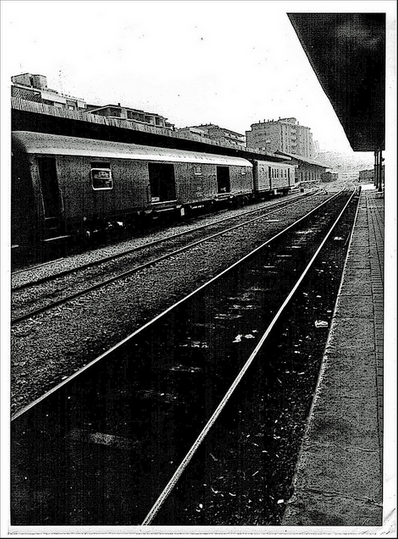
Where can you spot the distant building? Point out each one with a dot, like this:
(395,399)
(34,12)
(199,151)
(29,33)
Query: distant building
(215,132)
(329,176)
(34,88)
(349,176)
(285,135)
(196,131)
(366,175)
(307,170)
(129,114)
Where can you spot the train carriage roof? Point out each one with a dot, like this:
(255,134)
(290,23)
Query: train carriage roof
(48,144)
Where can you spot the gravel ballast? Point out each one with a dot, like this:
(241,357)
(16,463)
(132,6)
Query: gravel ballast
(52,346)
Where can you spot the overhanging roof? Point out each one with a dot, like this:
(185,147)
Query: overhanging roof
(347,53)
(302,159)
(41,118)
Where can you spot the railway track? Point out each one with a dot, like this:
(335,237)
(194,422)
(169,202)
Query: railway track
(34,273)
(137,436)
(31,298)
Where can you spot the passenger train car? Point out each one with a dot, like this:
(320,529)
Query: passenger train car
(67,187)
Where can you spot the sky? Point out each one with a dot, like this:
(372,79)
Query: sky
(231,63)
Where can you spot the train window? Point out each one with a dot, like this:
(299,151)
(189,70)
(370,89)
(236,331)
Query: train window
(197,170)
(101,178)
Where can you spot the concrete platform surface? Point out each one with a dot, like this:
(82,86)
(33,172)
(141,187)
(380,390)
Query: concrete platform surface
(339,475)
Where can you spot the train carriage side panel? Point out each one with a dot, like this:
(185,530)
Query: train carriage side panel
(292,175)
(79,183)
(70,171)
(281,177)
(261,179)
(278,179)
(26,218)
(131,184)
(195,184)
(101,191)
(207,178)
(241,181)
(288,175)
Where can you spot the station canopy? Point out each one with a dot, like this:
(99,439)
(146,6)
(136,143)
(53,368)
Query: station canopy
(302,159)
(347,53)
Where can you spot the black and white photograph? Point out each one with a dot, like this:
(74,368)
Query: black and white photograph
(198,268)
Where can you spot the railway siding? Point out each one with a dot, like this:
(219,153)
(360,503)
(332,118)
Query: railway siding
(56,288)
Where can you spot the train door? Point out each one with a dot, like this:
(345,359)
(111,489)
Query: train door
(162,182)
(223,180)
(50,195)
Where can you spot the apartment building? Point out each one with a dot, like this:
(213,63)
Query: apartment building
(215,132)
(130,114)
(284,134)
(34,88)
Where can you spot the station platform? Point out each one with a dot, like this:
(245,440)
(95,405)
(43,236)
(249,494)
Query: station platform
(339,475)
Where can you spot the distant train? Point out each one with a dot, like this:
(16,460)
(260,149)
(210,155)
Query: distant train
(67,187)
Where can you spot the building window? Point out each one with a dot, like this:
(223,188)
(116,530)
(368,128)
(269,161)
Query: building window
(101,176)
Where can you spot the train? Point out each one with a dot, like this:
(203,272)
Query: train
(70,188)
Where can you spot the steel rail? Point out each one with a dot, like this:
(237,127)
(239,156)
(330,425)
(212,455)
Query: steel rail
(274,207)
(155,319)
(136,269)
(188,457)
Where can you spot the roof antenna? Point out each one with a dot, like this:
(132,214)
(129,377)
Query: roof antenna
(60,81)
